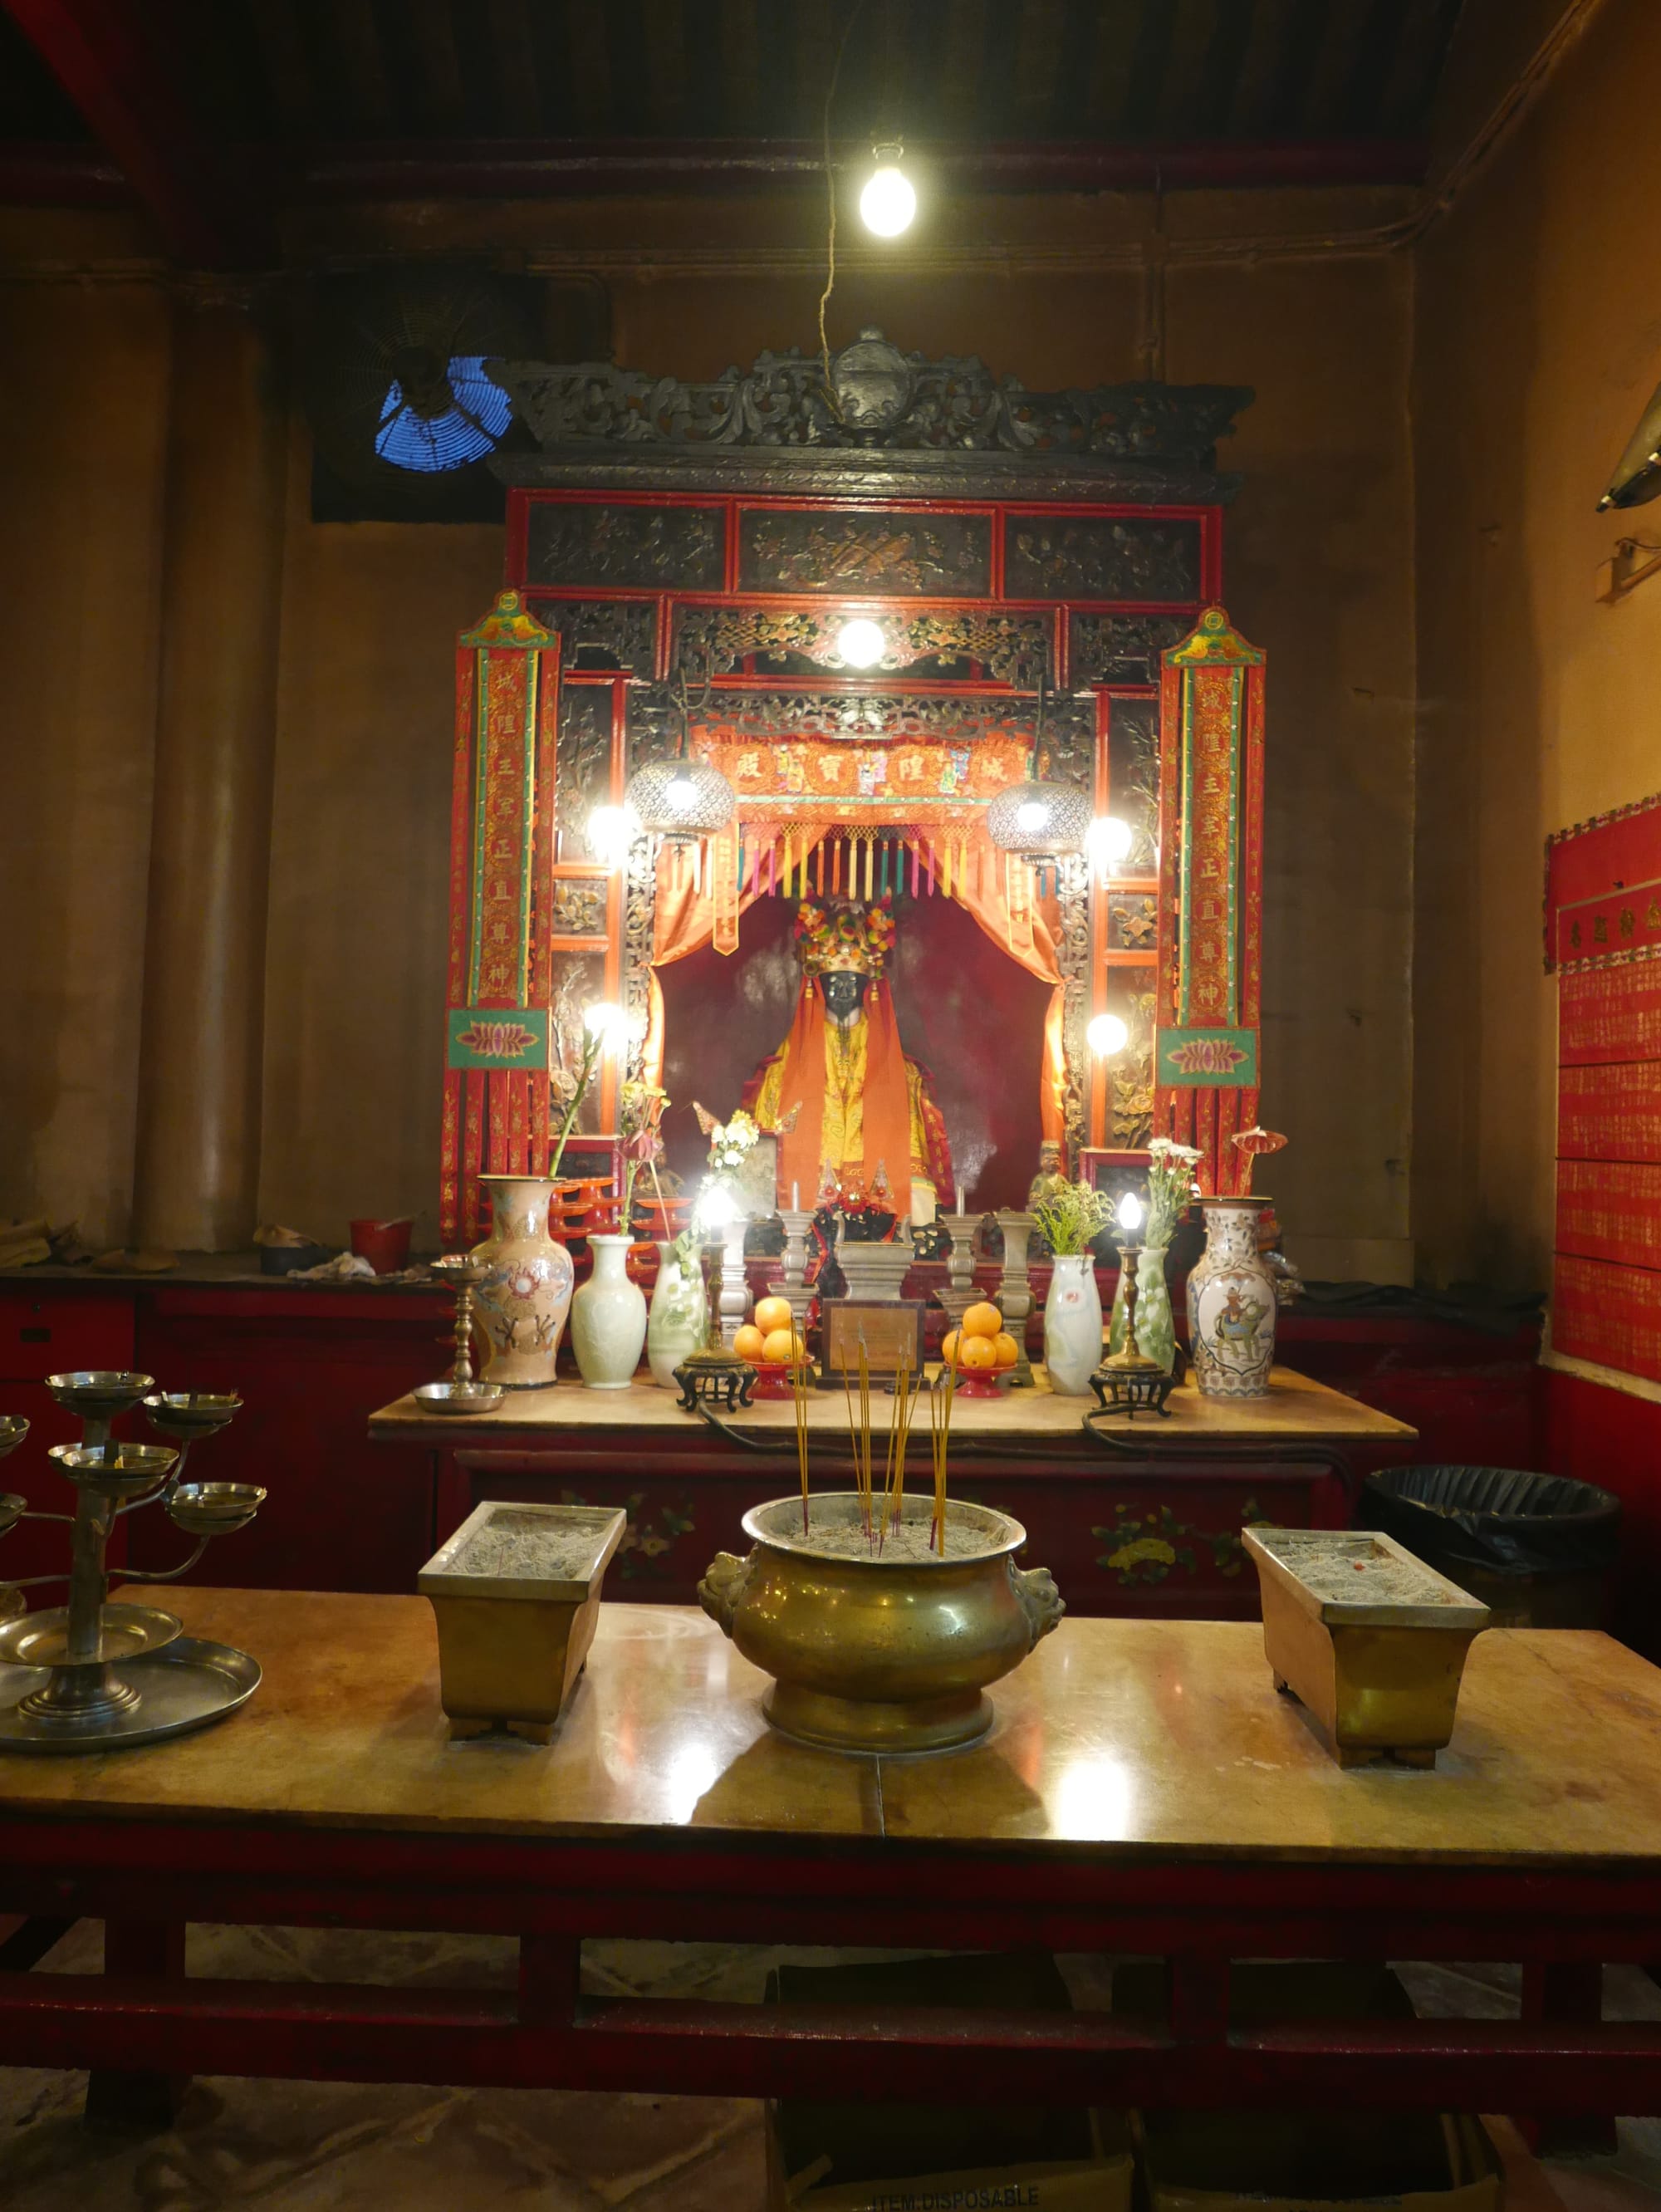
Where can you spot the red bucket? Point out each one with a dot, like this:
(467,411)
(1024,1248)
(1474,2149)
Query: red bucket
(384,1244)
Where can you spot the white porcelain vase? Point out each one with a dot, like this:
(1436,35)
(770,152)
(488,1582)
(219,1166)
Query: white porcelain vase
(608,1318)
(1072,1324)
(522,1303)
(679,1317)
(1231,1303)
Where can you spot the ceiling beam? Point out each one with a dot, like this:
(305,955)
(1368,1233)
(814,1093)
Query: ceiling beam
(567,168)
(95,50)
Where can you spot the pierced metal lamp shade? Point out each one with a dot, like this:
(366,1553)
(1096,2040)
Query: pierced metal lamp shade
(1040,820)
(680,798)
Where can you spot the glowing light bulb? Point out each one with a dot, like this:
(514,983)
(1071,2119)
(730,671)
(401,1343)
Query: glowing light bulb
(861,643)
(1106,1035)
(610,832)
(680,792)
(1033,815)
(1108,841)
(888,203)
(1128,1213)
(608,1023)
(717,1207)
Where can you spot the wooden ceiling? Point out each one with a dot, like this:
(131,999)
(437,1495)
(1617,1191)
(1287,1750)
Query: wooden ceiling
(239,103)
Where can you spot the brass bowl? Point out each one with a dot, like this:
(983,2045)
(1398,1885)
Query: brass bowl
(117,1470)
(875,1652)
(13,1430)
(186,1415)
(99,1393)
(12,1510)
(213,1508)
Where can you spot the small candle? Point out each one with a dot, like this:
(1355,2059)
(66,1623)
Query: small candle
(796,1198)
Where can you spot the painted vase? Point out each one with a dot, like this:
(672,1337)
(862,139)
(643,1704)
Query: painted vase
(1072,1324)
(522,1303)
(1156,1325)
(679,1319)
(608,1318)
(1231,1303)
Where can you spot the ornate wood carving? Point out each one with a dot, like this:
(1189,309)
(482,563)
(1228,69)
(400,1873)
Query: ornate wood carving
(1133,921)
(639,923)
(1069,726)
(577,910)
(877,397)
(624,630)
(584,758)
(1121,648)
(1073,958)
(939,557)
(1013,649)
(1133,776)
(1101,557)
(662,547)
(1131,1120)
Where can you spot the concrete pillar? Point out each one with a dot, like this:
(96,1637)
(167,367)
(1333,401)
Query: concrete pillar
(198,1161)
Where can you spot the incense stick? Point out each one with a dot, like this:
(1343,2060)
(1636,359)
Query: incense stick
(799,1379)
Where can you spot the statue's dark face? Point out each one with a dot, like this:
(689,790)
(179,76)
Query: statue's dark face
(844,994)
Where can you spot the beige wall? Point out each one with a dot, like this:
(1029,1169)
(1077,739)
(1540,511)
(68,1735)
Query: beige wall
(83,390)
(1538,341)
(1319,571)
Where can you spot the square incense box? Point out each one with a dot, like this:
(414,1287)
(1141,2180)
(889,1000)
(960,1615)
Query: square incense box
(1370,1639)
(516,1594)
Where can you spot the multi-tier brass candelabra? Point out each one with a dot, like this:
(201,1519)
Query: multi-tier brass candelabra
(89,1675)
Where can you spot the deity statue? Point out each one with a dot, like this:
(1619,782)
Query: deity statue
(863,1104)
(1044,1185)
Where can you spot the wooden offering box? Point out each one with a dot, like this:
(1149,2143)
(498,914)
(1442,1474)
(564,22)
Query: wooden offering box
(1368,1638)
(515,1594)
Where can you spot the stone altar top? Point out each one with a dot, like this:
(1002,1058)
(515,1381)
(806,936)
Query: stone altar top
(1116,1739)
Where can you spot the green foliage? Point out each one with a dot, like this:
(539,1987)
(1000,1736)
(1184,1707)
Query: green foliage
(1071,1217)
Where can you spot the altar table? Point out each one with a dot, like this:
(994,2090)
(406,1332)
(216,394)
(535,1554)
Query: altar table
(1143,1790)
(1144,1516)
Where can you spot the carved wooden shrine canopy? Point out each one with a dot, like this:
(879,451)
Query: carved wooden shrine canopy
(681,561)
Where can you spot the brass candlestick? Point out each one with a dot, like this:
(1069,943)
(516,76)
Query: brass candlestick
(1127,1382)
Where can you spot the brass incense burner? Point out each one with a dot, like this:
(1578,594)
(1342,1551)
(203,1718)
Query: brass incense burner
(877,1649)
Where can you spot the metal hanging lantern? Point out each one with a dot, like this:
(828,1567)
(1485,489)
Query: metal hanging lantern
(1040,819)
(680,800)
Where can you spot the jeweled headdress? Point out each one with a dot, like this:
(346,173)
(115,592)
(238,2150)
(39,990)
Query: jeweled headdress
(848,936)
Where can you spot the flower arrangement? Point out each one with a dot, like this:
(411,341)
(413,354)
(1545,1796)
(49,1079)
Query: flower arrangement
(731,1144)
(1071,1217)
(602,1026)
(1172,1188)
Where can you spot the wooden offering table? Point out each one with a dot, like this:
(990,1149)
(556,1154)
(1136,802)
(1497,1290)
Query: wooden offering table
(1143,1790)
(1133,1517)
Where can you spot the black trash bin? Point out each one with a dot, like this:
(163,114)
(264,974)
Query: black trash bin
(1537,1548)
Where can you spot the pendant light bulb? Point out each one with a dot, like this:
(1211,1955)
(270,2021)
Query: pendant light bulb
(888,202)
(1106,1035)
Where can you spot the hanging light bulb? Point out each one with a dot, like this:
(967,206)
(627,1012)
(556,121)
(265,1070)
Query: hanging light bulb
(1106,1035)
(888,201)
(861,643)
(609,833)
(1107,842)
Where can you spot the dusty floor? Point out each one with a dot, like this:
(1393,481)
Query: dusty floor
(306,2147)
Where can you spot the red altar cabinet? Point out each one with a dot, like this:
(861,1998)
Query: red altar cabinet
(874,594)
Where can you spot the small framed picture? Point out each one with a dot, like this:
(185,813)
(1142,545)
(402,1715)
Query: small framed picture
(890,1329)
